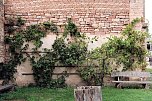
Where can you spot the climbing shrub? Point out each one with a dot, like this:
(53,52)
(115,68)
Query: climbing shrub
(70,54)
(16,41)
(43,69)
(95,68)
(127,51)
(91,74)
(69,49)
(71,29)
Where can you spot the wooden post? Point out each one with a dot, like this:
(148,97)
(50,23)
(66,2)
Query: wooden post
(88,93)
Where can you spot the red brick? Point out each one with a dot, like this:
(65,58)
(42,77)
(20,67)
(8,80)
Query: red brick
(82,12)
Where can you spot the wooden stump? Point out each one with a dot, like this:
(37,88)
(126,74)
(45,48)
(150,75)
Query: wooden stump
(88,93)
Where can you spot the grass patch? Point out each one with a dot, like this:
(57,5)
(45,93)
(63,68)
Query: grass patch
(113,94)
(66,94)
(39,94)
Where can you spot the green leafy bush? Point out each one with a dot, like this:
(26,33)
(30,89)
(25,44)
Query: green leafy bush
(92,75)
(43,65)
(126,51)
(70,54)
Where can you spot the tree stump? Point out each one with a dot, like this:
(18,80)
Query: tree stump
(88,93)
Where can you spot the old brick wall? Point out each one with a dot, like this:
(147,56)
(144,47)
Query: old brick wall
(92,16)
(137,9)
(1,31)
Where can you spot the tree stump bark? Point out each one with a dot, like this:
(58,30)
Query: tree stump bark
(88,93)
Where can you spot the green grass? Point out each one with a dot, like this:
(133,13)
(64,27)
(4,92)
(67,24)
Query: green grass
(109,94)
(113,94)
(40,94)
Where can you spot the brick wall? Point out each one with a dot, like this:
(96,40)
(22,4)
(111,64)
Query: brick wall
(137,8)
(92,16)
(1,32)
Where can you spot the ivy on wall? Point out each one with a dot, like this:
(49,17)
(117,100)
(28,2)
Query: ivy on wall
(70,49)
(129,49)
(17,38)
(127,52)
(67,51)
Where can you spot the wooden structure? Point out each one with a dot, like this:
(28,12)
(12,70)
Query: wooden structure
(132,77)
(5,88)
(88,93)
